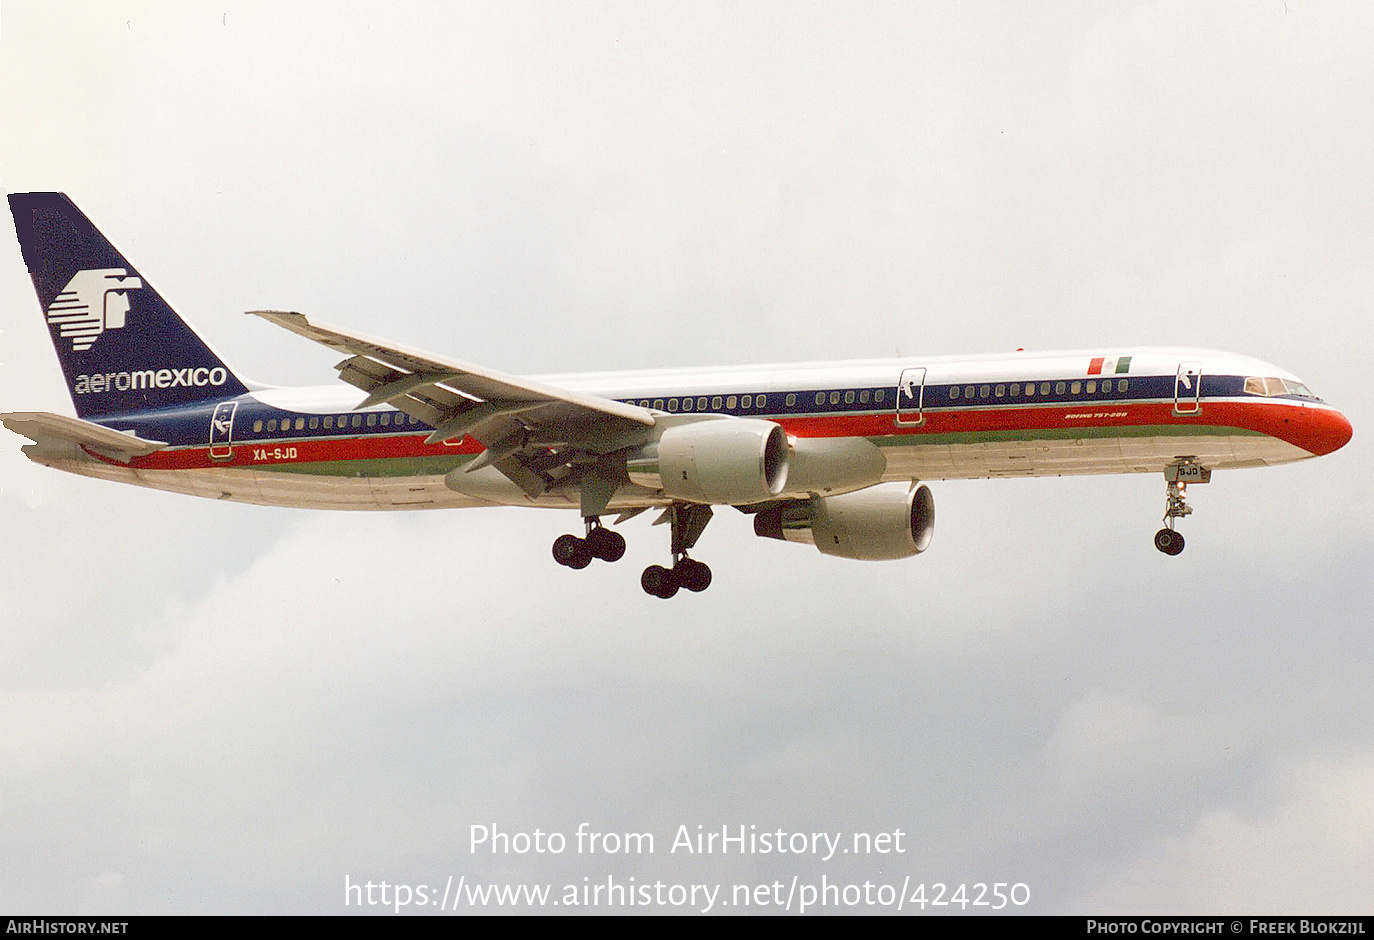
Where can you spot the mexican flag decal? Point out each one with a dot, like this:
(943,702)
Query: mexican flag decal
(1110,366)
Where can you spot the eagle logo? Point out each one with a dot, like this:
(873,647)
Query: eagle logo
(92,302)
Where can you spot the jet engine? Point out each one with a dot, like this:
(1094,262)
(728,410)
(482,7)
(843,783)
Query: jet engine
(890,520)
(735,461)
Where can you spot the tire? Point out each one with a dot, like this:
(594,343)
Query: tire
(693,575)
(1168,541)
(565,549)
(582,557)
(659,581)
(606,545)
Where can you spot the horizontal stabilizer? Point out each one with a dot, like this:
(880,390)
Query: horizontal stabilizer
(59,436)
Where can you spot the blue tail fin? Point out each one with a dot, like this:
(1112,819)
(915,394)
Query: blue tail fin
(122,348)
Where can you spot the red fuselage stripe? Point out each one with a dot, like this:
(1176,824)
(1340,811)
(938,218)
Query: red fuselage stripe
(1314,429)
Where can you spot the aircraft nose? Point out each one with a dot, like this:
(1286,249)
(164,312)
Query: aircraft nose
(1327,430)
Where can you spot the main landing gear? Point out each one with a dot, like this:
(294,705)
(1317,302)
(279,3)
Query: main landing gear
(600,542)
(688,521)
(1178,475)
(686,573)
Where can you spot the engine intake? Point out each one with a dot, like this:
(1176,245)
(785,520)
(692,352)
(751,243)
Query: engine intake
(734,461)
(886,521)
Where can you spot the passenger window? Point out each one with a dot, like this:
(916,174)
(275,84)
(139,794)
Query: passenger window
(357,421)
(1077,387)
(849,398)
(1015,389)
(879,395)
(791,399)
(672,404)
(686,404)
(731,402)
(1092,387)
(257,426)
(820,398)
(1121,385)
(716,403)
(701,403)
(1044,388)
(984,392)
(1000,391)
(863,397)
(834,398)
(1059,388)
(968,391)
(272,424)
(314,423)
(658,404)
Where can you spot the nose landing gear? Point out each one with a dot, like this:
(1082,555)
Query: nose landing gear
(1178,475)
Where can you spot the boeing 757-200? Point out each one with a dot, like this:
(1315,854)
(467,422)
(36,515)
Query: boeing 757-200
(828,453)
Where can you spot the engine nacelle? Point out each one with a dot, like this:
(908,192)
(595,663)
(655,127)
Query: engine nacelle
(734,461)
(882,522)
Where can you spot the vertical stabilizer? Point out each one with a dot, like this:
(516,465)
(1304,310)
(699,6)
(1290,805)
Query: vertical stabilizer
(122,348)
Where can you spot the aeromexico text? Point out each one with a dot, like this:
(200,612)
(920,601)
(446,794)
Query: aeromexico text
(106,382)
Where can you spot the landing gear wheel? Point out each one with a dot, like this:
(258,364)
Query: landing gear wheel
(659,581)
(1168,541)
(572,551)
(583,558)
(693,575)
(605,544)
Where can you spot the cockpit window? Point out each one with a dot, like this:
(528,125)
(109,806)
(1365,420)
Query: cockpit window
(1271,387)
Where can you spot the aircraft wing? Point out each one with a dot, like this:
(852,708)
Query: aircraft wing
(56,436)
(536,434)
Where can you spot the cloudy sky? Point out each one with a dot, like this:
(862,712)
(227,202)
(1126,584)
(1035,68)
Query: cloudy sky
(210,708)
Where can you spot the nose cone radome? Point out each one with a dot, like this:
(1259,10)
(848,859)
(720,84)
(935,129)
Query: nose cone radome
(1327,430)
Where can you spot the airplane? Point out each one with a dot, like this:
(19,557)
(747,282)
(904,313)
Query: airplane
(827,453)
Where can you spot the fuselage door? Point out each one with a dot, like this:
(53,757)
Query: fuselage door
(222,430)
(910,392)
(1188,388)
